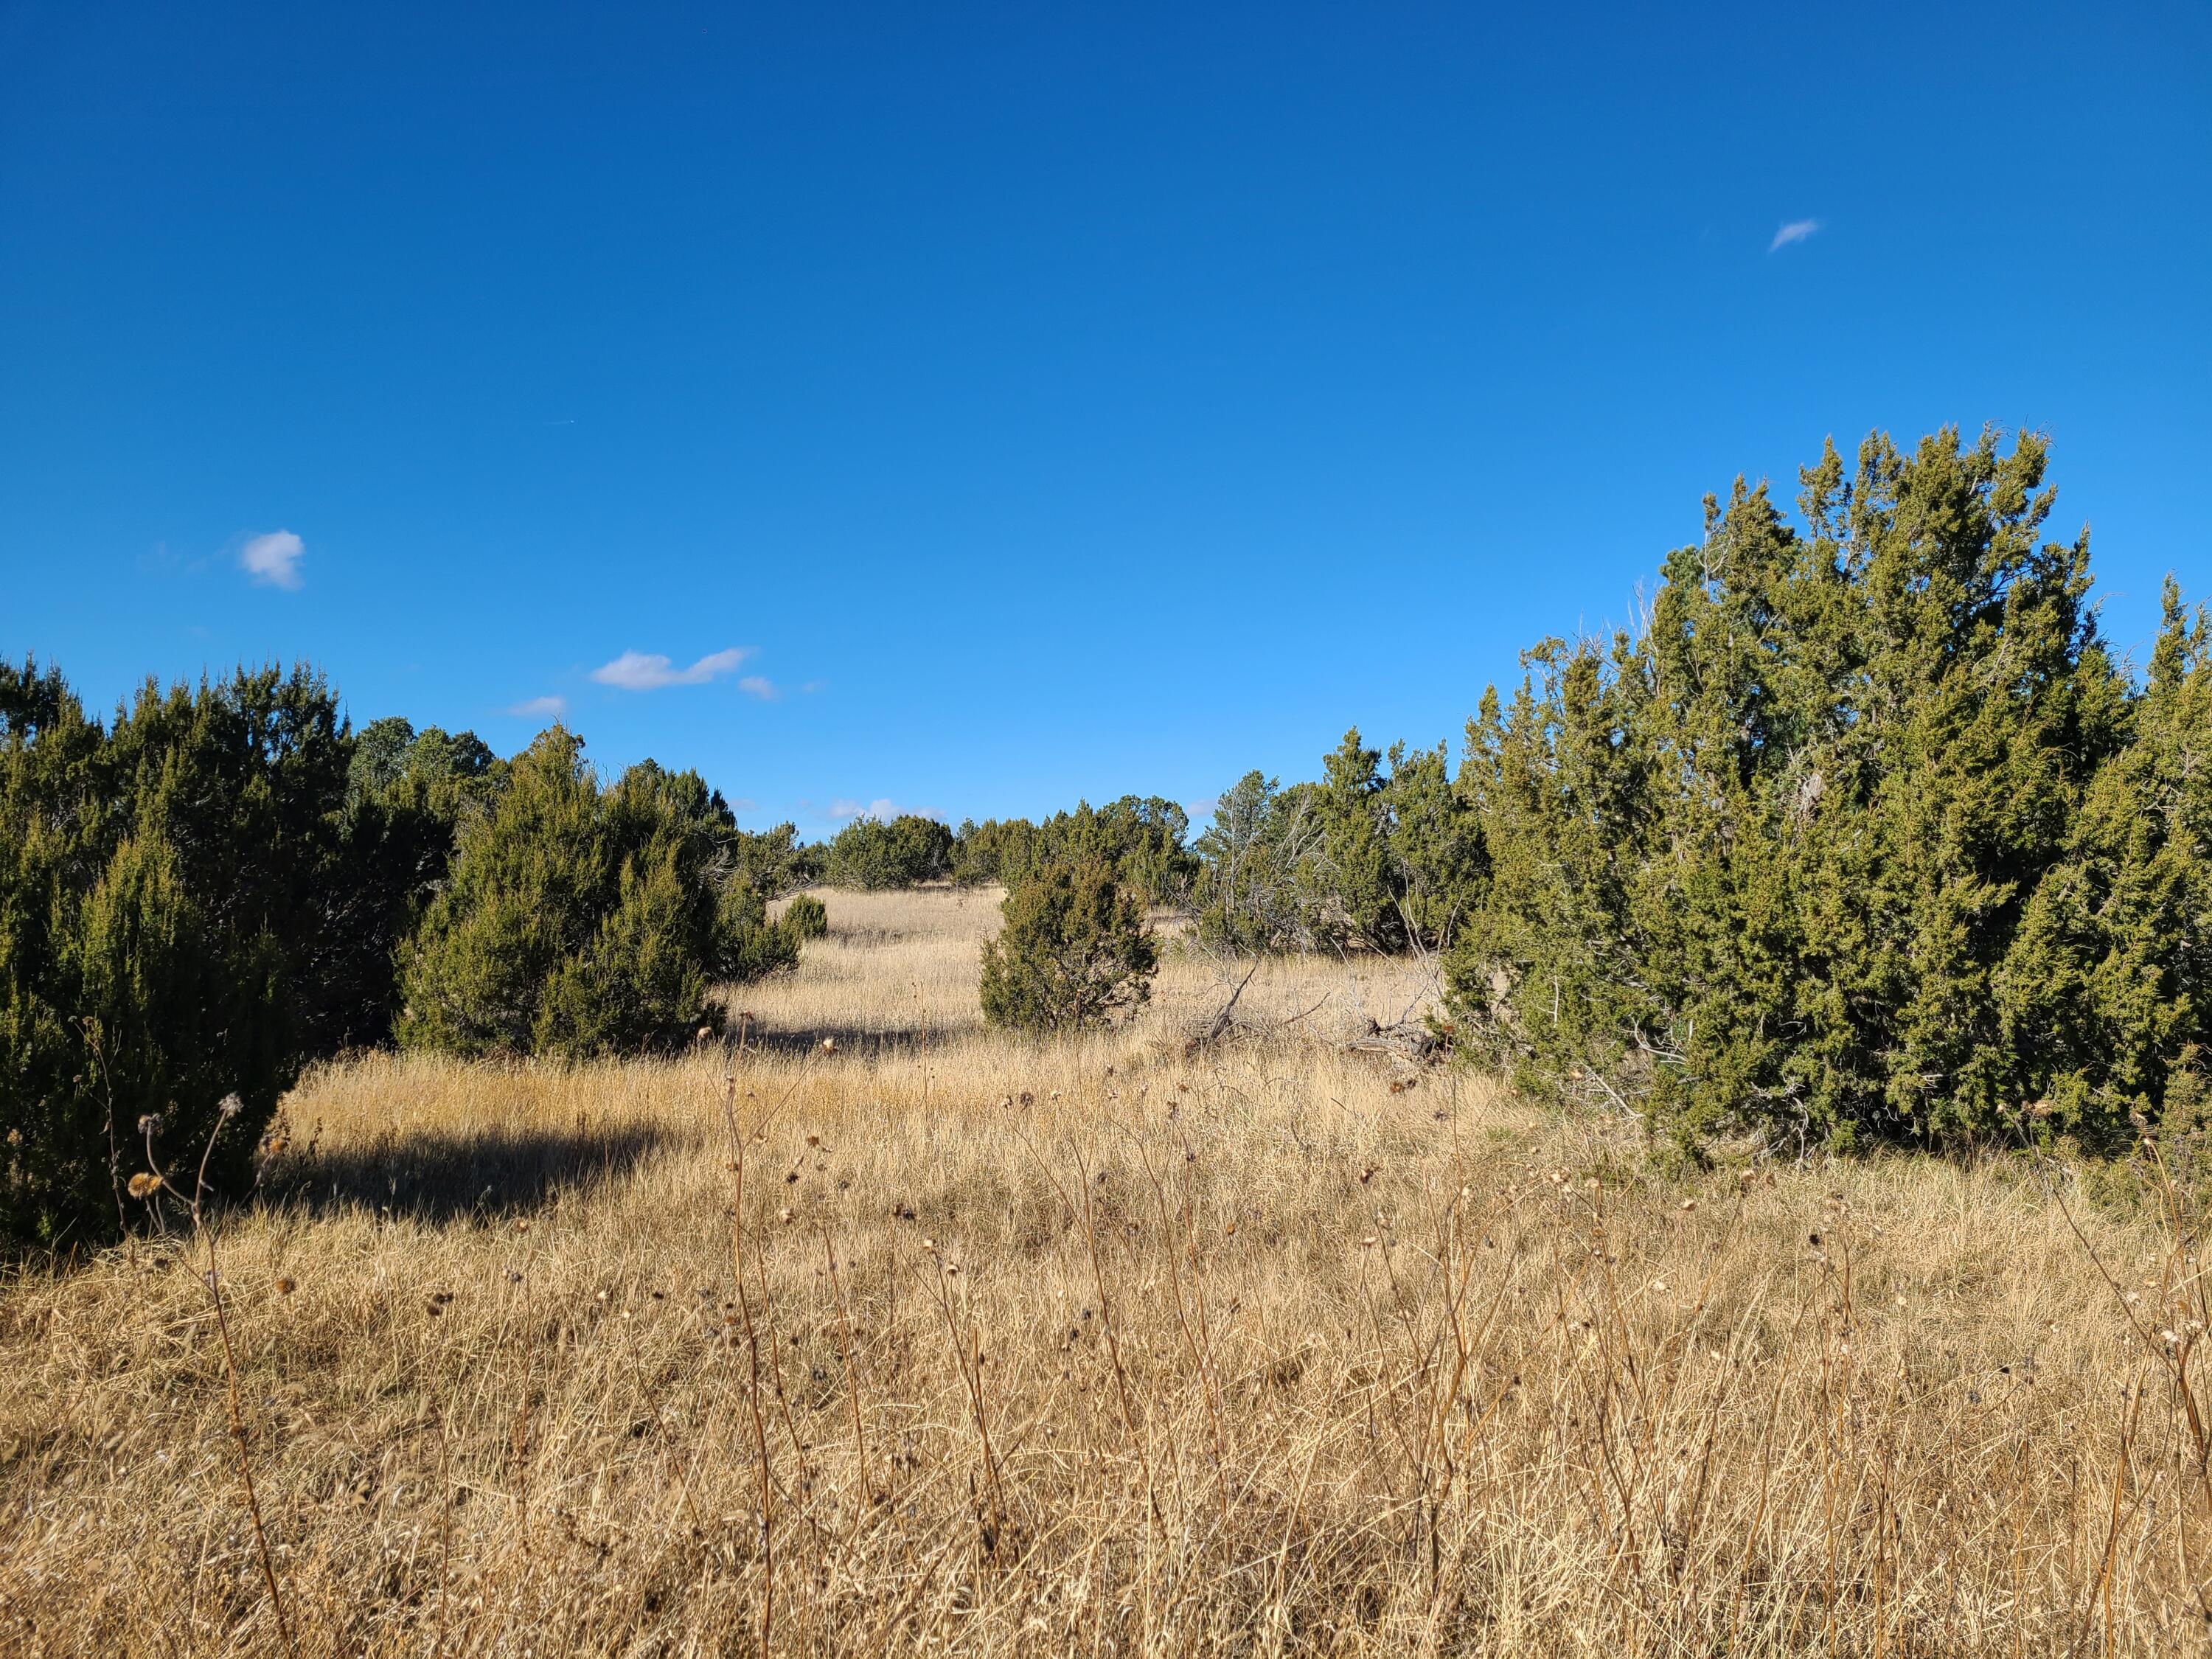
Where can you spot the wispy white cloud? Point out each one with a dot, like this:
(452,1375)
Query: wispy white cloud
(812,686)
(1202,809)
(635,671)
(845,807)
(760,686)
(540,708)
(273,560)
(1795,231)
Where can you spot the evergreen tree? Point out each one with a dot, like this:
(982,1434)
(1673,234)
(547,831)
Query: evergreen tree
(170,905)
(1356,884)
(1437,853)
(1818,850)
(870,854)
(580,922)
(1253,890)
(1074,950)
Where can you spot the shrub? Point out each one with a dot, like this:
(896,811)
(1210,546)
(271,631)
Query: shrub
(580,921)
(171,933)
(870,854)
(1075,949)
(806,917)
(1864,836)
(1255,890)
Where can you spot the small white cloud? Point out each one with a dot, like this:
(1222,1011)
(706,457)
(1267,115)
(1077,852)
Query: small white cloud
(883,810)
(634,671)
(744,803)
(1795,231)
(845,807)
(1202,809)
(540,708)
(812,686)
(760,686)
(273,561)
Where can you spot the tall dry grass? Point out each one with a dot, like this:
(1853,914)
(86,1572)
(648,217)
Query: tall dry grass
(996,1347)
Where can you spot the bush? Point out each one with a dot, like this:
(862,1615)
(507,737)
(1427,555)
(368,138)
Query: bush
(1075,950)
(1866,836)
(806,917)
(578,921)
(172,933)
(871,854)
(990,851)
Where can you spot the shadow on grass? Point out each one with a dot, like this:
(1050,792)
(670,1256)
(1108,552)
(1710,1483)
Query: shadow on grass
(438,1178)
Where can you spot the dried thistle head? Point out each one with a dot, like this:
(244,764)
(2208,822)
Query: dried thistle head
(144,1185)
(231,1106)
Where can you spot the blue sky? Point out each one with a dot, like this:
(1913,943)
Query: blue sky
(972,409)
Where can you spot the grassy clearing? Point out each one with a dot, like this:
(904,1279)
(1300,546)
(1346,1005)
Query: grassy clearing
(996,1348)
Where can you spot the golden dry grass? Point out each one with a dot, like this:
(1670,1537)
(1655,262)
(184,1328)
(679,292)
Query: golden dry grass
(1256,1351)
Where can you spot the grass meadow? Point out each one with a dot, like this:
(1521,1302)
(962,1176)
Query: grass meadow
(884,1332)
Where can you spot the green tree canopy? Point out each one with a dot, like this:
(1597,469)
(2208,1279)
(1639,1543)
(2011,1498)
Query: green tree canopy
(579,920)
(1075,950)
(173,911)
(872,854)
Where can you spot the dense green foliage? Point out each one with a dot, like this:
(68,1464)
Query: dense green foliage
(872,853)
(1074,950)
(580,921)
(1864,833)
(1140,837)
(225,882)
(1255,890)
(806,917)
(1365,858)
(407,795)
(773,862)
(173,931)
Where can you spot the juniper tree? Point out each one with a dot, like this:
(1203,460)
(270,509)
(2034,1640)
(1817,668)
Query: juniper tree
(172,931)
(581,921)
(1073,951)
(1354,883)
(870,854)
(1772,860)
(1254,891)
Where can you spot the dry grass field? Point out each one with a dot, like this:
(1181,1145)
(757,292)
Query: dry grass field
(937,1341)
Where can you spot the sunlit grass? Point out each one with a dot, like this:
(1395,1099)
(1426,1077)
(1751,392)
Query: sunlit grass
(1092,1346)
